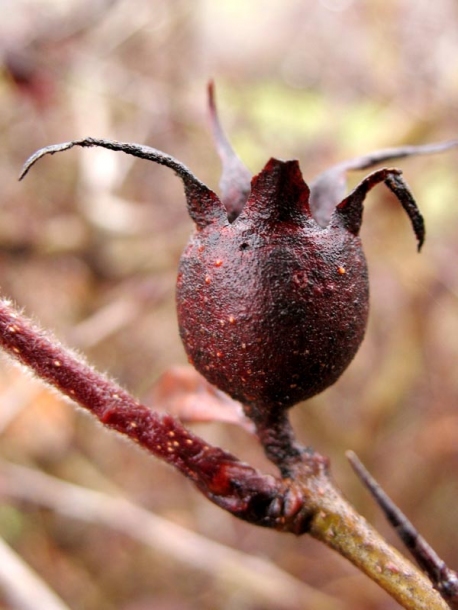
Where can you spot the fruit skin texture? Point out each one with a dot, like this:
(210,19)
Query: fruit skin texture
(272,307)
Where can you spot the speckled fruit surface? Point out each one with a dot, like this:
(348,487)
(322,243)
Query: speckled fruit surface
(272,307)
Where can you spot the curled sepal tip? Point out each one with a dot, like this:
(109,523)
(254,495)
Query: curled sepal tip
(328,188)
(235,177)
(203,204)
(349,212)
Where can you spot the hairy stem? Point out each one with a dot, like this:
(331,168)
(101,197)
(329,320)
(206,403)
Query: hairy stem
(216,473)
(329,187)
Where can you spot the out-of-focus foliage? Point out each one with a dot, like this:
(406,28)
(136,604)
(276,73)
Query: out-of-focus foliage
(89,245)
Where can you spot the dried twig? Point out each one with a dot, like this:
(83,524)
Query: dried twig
(22,587)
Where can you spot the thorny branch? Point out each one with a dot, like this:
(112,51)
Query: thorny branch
(443,578)
(308,503)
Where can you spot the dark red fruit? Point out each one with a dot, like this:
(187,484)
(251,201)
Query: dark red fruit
(272,289)
(272,307)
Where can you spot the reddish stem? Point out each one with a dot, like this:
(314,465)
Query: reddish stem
(220,476)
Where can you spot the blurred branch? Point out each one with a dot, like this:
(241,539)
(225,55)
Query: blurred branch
(257,577)
(14,399)
(22,587)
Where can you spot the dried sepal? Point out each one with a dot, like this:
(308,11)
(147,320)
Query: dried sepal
(204,205)
(349,212)
(279,194)
(235,182)
(329,187)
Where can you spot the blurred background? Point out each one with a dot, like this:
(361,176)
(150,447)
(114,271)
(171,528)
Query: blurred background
(89,247)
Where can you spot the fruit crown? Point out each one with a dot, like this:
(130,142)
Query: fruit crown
(278,193)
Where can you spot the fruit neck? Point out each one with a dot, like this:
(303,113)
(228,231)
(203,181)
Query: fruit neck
(277,437)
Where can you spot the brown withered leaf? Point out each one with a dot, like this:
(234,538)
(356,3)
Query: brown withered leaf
(184,393)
